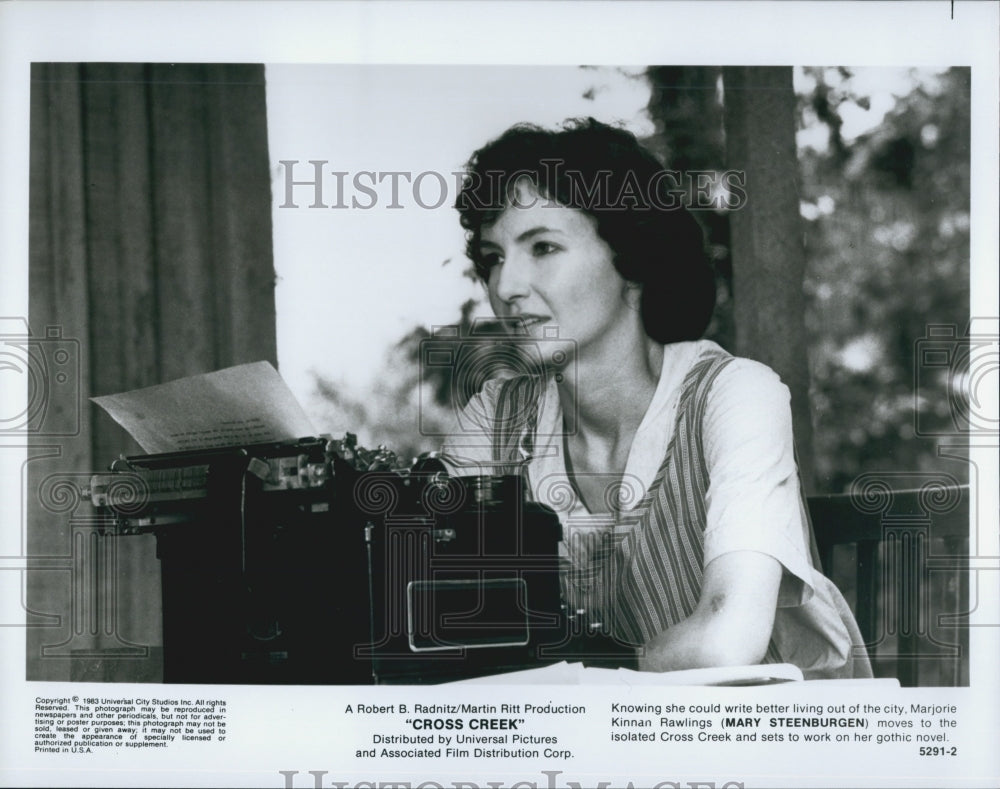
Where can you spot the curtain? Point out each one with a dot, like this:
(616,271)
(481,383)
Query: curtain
(150,259)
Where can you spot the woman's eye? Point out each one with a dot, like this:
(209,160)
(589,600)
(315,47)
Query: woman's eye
(490,259)
(540,248)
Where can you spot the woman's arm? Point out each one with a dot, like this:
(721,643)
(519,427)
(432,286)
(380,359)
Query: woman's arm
(754,549)
(732,623)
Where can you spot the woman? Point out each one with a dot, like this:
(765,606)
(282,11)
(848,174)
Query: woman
(670,462)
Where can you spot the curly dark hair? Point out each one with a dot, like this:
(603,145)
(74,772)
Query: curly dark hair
(605,172)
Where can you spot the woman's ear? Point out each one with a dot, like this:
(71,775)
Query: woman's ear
(633,294)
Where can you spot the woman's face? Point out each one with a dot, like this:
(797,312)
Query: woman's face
(550,269)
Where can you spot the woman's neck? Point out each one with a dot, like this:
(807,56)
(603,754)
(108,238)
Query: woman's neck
(608,395)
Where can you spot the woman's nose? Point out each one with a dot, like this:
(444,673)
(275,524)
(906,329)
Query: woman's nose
(510,279)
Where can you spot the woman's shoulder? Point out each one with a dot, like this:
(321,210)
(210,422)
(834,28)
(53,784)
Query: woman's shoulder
(735,366)
(478,424)
(507,403)
(514,386)
(490,390)
(736,371)
(745,404)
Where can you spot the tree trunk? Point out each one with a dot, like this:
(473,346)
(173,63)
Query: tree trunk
(767,243)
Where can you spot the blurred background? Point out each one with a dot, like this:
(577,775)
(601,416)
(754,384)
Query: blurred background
(883,189)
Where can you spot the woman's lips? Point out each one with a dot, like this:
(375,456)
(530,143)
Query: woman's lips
(532,320)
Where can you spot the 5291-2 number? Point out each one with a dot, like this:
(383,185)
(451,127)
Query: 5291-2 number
(938,750)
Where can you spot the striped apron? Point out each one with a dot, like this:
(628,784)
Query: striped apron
(643,574)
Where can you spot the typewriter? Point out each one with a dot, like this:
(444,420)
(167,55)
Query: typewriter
(320,562)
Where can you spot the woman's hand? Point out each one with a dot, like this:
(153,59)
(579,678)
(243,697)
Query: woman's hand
(731,626)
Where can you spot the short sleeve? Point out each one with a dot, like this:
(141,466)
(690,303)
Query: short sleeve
(468,447)
(754,501)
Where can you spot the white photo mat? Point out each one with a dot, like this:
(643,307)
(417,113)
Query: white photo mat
(304,736)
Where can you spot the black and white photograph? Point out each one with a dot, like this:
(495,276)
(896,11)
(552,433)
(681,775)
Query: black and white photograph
(383,414)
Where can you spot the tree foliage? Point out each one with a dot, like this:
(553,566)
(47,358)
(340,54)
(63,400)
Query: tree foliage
(887,237)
